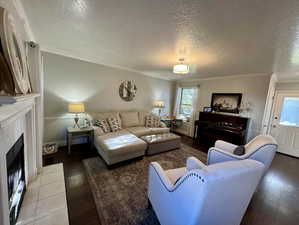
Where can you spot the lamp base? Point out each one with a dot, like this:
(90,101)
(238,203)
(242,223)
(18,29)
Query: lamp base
(76,125)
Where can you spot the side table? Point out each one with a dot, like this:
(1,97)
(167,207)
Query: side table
(172,123)
(79,132)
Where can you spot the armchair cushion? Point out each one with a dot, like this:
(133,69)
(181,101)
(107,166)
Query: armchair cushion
(194,163)
(225,146)
(174,175)
(216,155)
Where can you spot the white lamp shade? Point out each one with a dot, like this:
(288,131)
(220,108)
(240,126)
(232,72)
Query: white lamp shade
(76,108)
(181,69)
(159,104)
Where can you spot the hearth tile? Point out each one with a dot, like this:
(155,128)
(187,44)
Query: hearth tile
(31,195)
(51,189)
(51,178)
(35,183)
(58,217)
(27,214)
(52,168)
(46,206)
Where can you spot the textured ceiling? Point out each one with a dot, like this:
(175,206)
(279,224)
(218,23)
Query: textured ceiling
(217,38)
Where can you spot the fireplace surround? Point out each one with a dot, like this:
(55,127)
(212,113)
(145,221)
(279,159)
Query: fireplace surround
(16,183)
(21,119)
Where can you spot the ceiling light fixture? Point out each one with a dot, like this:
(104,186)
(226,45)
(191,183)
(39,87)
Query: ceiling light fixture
(181,68)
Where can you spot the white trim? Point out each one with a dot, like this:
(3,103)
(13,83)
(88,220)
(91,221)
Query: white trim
(224,77)
(287,80)
(75,141)
(266,122)
(93,60)
(23,16)
(63,117)
(286,91)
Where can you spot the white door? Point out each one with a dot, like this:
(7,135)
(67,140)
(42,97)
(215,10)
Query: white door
(285,122)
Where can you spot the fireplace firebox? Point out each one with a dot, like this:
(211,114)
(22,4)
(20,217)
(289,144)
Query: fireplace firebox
(15,179)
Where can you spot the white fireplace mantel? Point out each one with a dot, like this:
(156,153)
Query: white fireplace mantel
(22,117)
(11,112)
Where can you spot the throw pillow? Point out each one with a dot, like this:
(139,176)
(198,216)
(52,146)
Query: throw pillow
(240,150)
(114,124)
(98,131)
(152,121)
(103,124)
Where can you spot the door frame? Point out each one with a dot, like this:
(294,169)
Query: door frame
(277,92)
(266,122)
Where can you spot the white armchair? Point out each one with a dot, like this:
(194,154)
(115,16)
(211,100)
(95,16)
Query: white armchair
(204,195)
(262,148)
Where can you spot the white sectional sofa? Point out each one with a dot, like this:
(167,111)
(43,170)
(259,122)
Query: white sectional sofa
(115,147)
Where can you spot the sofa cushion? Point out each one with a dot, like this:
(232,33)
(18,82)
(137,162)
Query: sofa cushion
(114,124)
(142,131)
(103,124)
(139,131)
(129,119)
(152,121)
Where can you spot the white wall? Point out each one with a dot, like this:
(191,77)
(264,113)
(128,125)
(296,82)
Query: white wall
(253,87)
(71,80)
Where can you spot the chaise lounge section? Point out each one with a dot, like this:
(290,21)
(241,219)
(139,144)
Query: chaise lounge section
(125,144)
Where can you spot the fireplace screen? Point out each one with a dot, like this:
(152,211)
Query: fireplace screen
(15,179)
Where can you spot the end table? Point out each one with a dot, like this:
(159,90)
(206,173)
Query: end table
(79,132)
(172,123)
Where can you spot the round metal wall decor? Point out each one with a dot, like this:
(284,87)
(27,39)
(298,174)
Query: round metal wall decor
(127,90)
(14,52)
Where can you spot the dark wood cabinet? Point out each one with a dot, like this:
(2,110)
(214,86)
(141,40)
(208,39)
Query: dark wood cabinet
(211,127)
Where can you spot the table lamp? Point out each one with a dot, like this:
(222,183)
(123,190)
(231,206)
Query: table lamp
(76,109)
(160,105)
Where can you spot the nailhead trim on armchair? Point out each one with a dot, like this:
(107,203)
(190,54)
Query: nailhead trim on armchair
(192,174)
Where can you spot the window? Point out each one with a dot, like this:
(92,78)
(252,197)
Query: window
(290,112)
(186,103)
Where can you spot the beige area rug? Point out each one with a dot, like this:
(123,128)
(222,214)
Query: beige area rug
(120,194)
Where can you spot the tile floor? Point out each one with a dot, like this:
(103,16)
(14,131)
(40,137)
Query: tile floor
(45,199)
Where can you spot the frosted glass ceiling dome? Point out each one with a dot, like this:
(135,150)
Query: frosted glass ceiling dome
(181,68)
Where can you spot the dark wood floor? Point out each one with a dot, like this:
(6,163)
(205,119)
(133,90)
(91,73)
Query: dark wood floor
(276,201)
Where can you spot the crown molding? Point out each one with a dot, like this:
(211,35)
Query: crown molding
(287,80)
(225,77)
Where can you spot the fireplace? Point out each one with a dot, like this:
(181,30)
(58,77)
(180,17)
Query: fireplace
(15,179)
